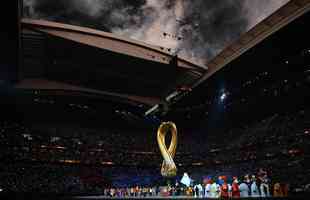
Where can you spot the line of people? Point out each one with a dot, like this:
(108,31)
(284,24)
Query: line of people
(247,188)
(250,186)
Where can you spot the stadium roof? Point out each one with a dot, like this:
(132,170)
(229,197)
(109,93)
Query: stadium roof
(283,16)
(71,58)
(61,56)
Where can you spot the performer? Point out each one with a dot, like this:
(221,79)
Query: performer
(224,187)
(190,191)
(196,191)
(244,188)
(254,188)
(208,188)
(277,190)
(264,188)
(285,189)
(200,189)
(214,190)
(235,188)
(229,190)
(218,191)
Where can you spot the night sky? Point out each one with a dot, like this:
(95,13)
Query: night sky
(196,29)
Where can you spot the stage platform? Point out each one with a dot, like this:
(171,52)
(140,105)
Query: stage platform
(35,196)
(185,197)
(181,197)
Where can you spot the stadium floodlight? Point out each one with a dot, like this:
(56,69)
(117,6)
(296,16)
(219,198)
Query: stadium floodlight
(223,97)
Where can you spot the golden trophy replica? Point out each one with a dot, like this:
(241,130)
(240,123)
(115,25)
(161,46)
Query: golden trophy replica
(168,167)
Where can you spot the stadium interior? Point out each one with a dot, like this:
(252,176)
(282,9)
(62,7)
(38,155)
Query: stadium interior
(80,117)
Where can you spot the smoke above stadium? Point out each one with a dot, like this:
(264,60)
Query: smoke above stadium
(194,29)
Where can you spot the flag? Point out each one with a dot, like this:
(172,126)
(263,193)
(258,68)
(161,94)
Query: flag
(186,180)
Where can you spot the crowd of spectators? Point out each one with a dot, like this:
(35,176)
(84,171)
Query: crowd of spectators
(68,159)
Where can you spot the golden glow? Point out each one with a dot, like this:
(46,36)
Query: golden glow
(70,161)
(107,163)
(197,164)
(168,167)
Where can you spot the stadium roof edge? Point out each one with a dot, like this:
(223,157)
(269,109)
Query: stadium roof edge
(258,33)
(47,85)
(155,53)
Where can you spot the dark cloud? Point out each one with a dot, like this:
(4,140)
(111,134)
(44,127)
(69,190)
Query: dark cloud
(205,26)
(90,13)
(211,26)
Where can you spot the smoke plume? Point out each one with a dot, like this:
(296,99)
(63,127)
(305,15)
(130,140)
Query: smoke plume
(194,29)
